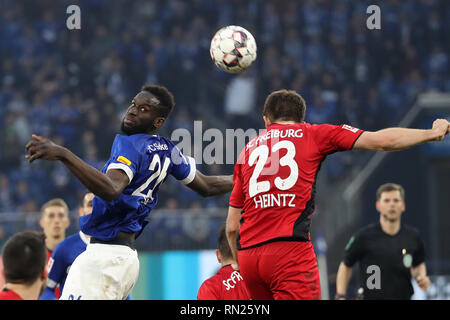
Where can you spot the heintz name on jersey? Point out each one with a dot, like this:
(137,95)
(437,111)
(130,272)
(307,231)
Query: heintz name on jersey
(271,200)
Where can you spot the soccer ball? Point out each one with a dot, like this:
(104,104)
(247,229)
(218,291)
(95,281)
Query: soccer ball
(233,49)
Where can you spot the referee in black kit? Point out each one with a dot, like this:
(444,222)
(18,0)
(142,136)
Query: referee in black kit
(389,253)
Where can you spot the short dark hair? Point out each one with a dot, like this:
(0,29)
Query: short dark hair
(24,257)
(387,187)
(166,99)
(223,245)
(285,105)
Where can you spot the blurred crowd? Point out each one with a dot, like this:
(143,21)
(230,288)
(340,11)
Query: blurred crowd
(73,86)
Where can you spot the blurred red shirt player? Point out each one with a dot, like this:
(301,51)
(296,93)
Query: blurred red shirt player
(274,184)
(54,223)
(227,284)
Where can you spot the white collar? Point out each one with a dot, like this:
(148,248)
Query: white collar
(84,238)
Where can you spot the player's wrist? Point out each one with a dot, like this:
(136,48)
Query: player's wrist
(339,296)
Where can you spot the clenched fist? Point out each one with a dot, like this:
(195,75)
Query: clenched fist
(441,127)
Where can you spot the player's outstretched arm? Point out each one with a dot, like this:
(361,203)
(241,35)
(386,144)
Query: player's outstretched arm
(208,186)
(107,186)
(393,139)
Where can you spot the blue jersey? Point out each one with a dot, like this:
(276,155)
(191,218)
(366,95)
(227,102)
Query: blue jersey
(147,160)
(62,258)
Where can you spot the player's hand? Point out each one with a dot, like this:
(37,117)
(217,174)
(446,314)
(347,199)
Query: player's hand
(423,282)
(42,148)
(441,127)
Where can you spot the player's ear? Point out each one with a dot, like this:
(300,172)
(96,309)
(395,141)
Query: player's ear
(377,205)
(267,121)
(158,122)
(219,257)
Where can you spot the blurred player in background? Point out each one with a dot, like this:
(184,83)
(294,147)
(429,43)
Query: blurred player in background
(24,260)
(54,222)
(228,283)
(274,188)
(395,248)
(126,192)
(65,253)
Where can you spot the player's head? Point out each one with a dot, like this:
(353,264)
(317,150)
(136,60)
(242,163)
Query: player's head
(223,251)
(86,204)
(25,258)
(55,218)
(390,201)
(148,110)
(284,105)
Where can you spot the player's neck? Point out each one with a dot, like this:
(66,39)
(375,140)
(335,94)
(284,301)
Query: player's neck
(391,227)
(52,242)
(227,262)
(284,122)
(26,292)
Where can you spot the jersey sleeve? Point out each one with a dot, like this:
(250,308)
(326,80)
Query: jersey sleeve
(330,138)
(419,253)
(124,156)
(207,292)
(48,294)
(55,269)
(238,194)
(353,250)
(183,167)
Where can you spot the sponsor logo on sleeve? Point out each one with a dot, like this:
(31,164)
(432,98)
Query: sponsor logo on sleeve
(50,264)
(124,160)
(350,128)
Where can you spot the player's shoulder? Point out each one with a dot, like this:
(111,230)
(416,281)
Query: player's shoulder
(215,280)
(320,126)
(164,140)
(368,231)
(143,142)
(209,288)
(69,241)
(410,230)
(124,142)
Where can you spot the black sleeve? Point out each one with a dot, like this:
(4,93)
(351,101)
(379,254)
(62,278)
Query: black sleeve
(419,253)
(353,250)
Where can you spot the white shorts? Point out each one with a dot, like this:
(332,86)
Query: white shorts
(102,272)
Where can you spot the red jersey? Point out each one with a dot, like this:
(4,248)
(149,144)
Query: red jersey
(6,294)
(49,266)
(275,176)
(227,284)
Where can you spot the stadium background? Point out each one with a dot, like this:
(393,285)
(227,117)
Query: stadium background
(74,85)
